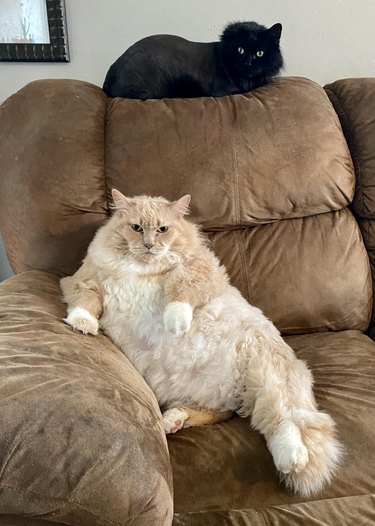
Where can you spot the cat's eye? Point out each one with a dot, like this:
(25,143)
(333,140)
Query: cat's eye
(163,229)
(259,53)
(137,228)
(241,50)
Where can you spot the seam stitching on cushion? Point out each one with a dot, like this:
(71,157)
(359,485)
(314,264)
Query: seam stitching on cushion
(351,142)
(235,183)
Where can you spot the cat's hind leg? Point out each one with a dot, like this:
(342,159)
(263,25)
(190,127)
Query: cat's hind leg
(174,419)
(177,418)
(278,395)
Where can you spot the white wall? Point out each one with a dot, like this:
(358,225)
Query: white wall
(322,39)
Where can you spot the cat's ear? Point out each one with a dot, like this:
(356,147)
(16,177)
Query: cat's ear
(181,207)
(120,201)
(275,32)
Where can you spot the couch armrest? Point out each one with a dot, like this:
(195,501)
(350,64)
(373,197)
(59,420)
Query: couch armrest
(81,436)
(354,102)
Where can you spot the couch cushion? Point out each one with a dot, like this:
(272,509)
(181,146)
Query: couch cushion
(307,275)
(223,474)
(354,101)
(81,439)
(275,153)
(52,182)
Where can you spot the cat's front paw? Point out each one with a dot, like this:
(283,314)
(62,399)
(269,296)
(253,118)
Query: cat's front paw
(177,317)
(81,320)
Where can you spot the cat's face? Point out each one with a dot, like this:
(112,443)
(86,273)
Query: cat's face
(250,49)
(149,228)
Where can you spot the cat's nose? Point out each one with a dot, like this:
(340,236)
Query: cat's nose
(148,245)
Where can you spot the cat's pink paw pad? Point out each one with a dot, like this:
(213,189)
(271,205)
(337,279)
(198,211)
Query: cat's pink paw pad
(81,320)
(174,419)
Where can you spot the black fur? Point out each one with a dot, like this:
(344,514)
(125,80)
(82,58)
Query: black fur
(168,66)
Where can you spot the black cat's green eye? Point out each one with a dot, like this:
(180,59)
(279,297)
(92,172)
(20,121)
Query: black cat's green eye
(137,228)
(241,50)
(163,229)
(259,53)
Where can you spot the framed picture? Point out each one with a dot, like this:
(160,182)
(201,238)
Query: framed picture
(33,31)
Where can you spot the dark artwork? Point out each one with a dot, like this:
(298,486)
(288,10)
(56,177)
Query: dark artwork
(166,66)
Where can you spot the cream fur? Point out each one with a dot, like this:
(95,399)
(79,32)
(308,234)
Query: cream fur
(177,317)
(81,320)
(196,340)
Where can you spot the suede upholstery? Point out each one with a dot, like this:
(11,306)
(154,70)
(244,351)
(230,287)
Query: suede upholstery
(235,465)
(358,125)
(290,215)
(82,429)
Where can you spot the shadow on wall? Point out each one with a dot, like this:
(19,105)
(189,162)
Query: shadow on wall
(5,270)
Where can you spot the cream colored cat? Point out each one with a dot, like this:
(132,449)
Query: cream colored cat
(154,287)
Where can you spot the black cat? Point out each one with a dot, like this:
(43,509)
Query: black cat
(246,57)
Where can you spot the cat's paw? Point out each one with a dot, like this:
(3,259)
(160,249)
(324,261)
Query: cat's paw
(174,419)
(288,450)
(81,320)
(292,459)
(177,317)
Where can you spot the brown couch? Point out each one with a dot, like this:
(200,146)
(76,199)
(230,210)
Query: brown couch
(287,196)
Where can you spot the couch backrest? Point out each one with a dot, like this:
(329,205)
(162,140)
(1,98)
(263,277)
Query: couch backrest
(270,174)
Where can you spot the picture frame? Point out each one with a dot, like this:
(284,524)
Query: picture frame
(51,44)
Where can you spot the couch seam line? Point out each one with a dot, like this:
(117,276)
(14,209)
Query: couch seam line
(237,211)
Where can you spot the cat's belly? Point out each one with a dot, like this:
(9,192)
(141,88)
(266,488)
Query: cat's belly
(199,367)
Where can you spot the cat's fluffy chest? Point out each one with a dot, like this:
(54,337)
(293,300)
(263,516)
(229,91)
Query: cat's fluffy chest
(133,308)
(200,364)
(134,294)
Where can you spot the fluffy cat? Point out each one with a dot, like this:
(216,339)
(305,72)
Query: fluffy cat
(152,284)
(166,66)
